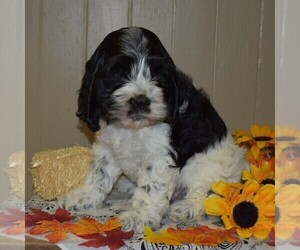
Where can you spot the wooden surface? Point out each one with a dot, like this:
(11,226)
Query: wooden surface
(226,46)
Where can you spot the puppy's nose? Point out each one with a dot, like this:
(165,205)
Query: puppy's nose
(140,102)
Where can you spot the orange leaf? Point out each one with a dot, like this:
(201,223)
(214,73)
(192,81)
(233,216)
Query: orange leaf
(58,232)
(18,228)
(202,235)
(160,237)
(87,226)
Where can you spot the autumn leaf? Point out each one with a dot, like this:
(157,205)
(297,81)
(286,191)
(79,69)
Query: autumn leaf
(17,228)
(11,216)
(56,229)
(60,215)
(202,235)
(113,239)
(160,237)
(87,226)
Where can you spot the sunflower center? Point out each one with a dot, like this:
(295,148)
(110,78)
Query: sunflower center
(245,214)
(286,138)
(268,181)
(262,138)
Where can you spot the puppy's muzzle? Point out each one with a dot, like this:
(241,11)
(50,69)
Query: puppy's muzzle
(139,106)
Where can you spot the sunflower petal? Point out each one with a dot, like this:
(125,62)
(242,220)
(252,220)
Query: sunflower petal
(256,173)
(250,187)
(255,151)
(261,232)
(261,144)
(265,130)
(227,222)
(216,206)
(246,175)
(265,194)
(221,188)
(244,233)
(254,130)
(269,210)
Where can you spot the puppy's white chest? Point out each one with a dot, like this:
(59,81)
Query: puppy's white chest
(134,150)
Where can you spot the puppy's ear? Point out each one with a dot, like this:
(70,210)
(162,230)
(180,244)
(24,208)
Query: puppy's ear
(89,103)
(174,95)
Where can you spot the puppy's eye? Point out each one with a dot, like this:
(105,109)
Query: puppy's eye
(157,75)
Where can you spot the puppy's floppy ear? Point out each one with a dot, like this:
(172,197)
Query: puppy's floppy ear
(89,103)
(174,95)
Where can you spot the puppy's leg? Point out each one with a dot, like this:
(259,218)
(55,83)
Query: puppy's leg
(151,197)
(224,161)
(98,183)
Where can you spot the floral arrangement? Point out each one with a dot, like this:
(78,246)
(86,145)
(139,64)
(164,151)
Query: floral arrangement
(247,208)
(264,202)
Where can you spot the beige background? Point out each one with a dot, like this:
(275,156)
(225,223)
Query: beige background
(227,47)
(12,85)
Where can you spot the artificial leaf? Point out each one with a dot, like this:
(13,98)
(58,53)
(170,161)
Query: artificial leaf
(11,216)
(202,235)
(87,226)
(113,239)
(17,228)
(56,229)
(160,237)
(60,215)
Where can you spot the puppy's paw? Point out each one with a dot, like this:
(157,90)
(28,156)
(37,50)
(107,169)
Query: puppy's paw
(78,201)
(186,210)
(133,220)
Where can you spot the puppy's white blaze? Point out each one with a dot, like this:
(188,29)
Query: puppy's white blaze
(140,83)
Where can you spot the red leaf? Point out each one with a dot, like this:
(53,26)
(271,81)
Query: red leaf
(113,239)
(12,216)
(60,215)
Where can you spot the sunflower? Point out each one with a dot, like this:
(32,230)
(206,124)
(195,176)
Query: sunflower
(263,174)
(285,137)
(287,211)
(251,212)
(259,138)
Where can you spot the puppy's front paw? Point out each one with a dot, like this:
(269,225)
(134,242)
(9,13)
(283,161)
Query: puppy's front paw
(186,210)
(133,220)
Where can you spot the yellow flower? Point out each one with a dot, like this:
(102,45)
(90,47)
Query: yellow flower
(285,137)
(259,138)
(227,190)
(287,211)
(263,174)
(251,212)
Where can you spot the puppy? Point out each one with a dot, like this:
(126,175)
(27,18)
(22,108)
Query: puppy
(156,128)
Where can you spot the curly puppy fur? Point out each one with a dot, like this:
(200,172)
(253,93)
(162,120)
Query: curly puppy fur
(156,128)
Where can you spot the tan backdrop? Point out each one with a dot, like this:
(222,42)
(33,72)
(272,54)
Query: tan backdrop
(227,46)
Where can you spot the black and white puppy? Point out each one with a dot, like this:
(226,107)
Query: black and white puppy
(156,129)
